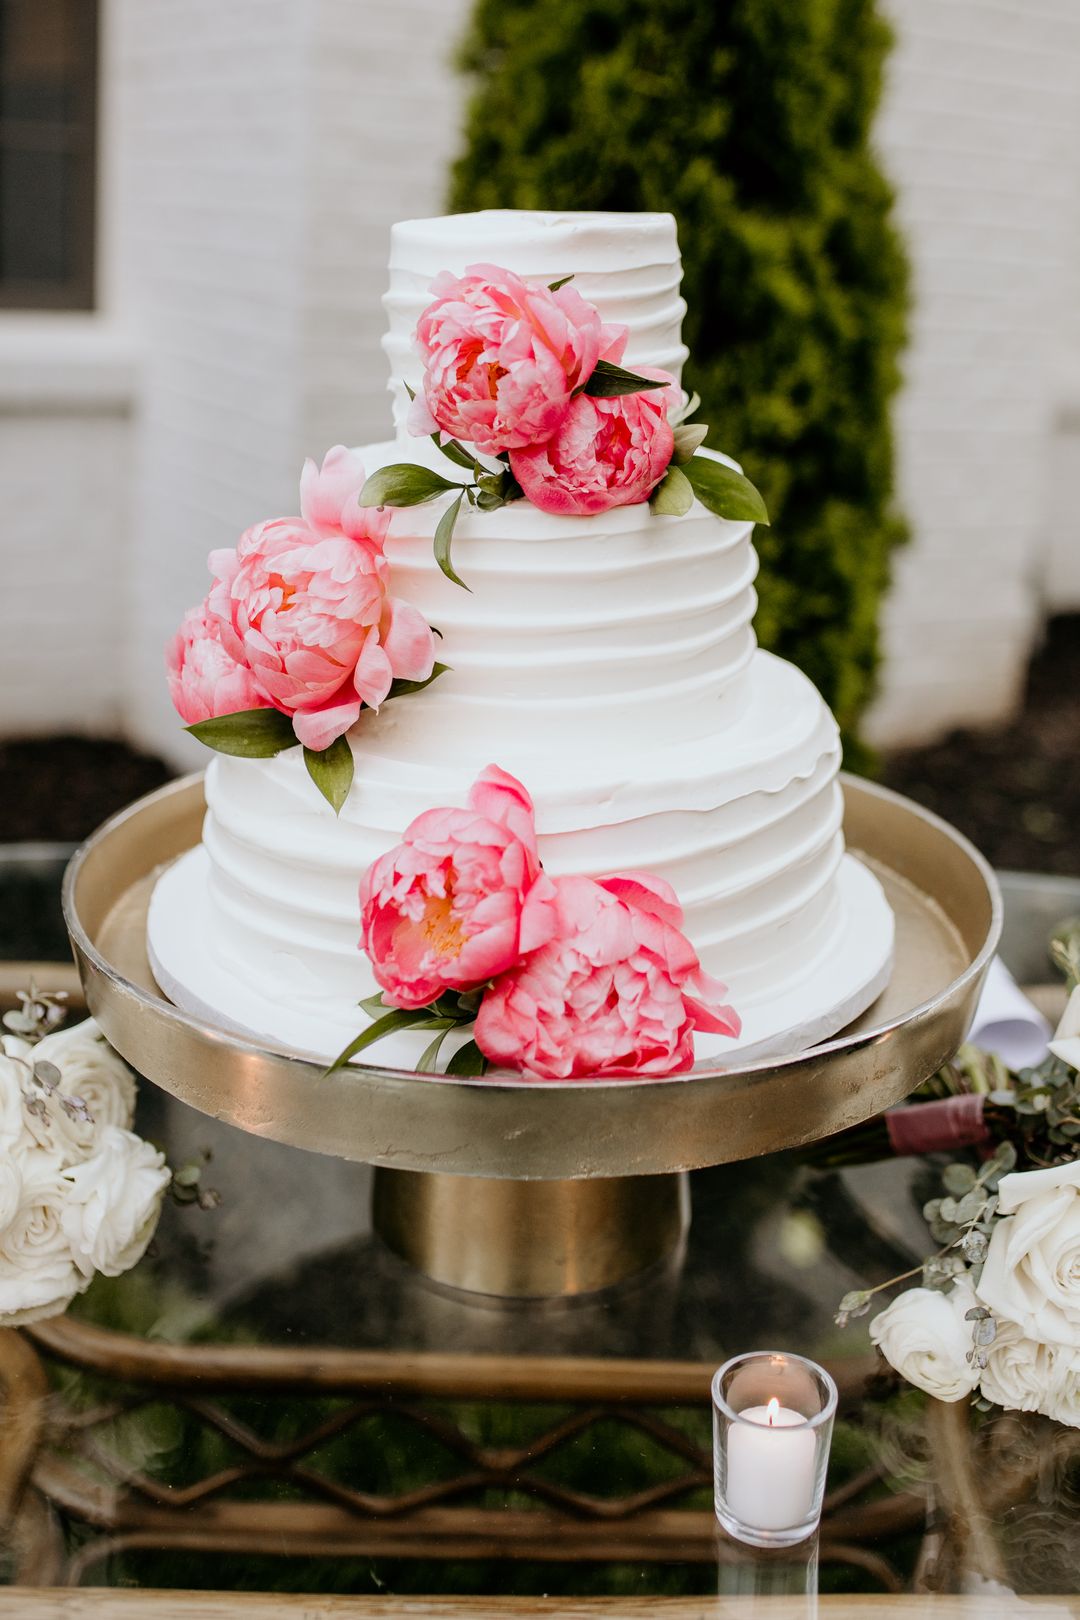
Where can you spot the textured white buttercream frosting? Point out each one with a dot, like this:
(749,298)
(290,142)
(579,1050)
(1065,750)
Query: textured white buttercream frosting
(610,663)
(626,264)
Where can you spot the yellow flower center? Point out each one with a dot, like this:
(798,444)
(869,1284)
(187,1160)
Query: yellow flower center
(442,930)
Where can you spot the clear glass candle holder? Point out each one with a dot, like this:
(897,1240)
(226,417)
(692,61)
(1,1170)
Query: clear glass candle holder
(772,1429)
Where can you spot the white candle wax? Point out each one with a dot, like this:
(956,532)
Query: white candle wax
(771,1453)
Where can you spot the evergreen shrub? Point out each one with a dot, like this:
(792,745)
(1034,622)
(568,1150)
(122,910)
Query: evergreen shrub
(750,120)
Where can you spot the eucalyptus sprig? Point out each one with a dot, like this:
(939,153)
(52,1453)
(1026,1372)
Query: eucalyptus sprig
(452,1010)
(961,1221)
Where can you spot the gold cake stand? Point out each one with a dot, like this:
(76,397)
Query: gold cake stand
(516,1189)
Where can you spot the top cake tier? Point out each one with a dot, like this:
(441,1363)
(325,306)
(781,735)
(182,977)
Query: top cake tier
(626,264)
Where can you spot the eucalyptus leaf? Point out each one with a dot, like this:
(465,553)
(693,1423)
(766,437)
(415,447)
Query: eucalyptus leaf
(444,534)
(468,1061)
(724,491)
(404,484)
(958,1179)
(553,286)
(406,688)
(608,381)
(249,734)
(689,438)
(331,770)
(673,495)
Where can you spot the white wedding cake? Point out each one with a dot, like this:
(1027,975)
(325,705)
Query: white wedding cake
(609,662)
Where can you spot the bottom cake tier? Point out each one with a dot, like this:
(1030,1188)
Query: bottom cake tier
(257,928)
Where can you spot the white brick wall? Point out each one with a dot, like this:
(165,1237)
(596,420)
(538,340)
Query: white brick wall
(269,146)
(256,153)
(66,388)
(980,130)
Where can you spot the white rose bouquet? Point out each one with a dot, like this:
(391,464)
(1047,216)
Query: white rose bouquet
(998,1315)
(79,1191)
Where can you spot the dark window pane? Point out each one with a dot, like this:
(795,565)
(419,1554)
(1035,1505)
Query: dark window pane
(48,87)
(36,228)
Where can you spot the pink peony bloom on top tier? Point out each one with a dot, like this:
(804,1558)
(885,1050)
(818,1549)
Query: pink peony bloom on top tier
(460,899)
(204,680)
(618,991)
(604,453)
(502,358)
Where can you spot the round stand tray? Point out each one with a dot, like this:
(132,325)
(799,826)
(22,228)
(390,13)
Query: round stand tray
(948,916)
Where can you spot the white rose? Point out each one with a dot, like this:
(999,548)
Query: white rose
(10,1191)
(93,1074)
(1061,1397)
(1018,1369)
(1032,1270)
(37,1275)
(1066,1041)
(113,1202)
(13,1078)
(923,1335)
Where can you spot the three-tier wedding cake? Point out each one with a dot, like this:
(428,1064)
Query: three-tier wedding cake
(606,661)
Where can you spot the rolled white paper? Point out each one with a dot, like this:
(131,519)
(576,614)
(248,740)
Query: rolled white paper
(771,1460)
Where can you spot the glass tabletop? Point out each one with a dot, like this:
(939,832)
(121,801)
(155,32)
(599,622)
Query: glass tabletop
(271,1400)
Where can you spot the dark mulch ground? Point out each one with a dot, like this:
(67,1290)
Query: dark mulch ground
(1014,791)
(58,789)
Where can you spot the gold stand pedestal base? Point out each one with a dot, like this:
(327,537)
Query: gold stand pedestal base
(530,1239)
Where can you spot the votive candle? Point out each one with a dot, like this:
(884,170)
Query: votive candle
(772,1421)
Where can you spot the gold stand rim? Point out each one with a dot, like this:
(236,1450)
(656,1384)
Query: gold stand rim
(948,915)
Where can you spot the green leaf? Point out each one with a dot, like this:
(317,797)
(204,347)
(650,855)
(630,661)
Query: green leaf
(673,495)
(406,688)
(373,1005)
(250,733)
(455,452)
(553,286)
(404,484)
(608,381)
(443,536)
(724,491)
(688,438)
(468,1060)
(425,1063)
(685,412)
(398,1018)
(331,770)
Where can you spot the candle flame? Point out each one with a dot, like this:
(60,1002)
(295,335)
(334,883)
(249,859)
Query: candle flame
(772,1411)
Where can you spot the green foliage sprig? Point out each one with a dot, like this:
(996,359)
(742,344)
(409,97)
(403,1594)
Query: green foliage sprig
(452,1010)
(265,733)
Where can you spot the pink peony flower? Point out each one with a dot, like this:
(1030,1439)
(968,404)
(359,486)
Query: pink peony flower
(460,899)
(604,453)
(502,358)
(204,680)
(618,991)
(328,498)
(304,604)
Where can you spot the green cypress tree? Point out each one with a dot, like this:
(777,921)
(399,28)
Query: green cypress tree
(750,121)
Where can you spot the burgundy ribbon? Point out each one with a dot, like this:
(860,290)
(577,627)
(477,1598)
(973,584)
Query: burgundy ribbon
(935,1127)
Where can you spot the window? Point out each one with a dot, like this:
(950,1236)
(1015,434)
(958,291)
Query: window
(48,92)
